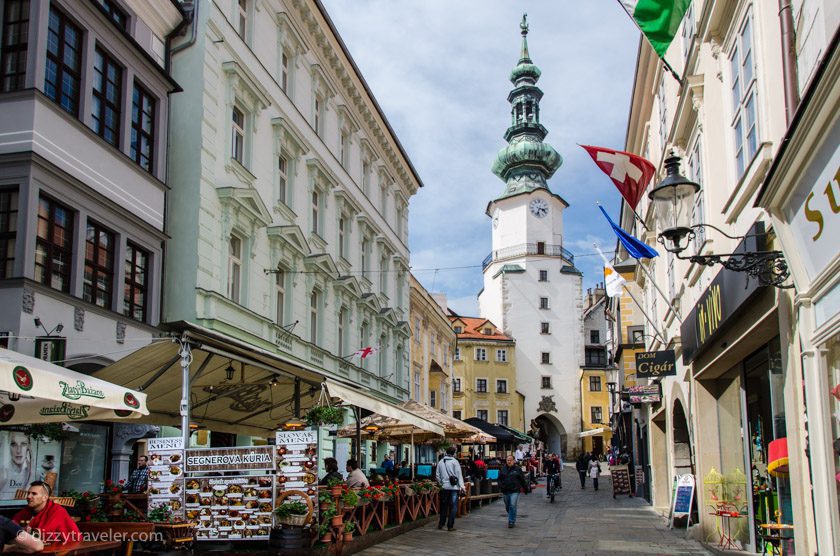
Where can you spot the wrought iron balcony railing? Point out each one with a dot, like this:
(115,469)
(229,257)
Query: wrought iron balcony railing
(529,249)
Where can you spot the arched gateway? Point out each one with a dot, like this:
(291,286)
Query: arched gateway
(551,432)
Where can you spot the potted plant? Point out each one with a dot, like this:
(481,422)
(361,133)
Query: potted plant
(292,513)
(325,499)
(350,498)
(325,415)
(325,532)
(336,485)
(349,527)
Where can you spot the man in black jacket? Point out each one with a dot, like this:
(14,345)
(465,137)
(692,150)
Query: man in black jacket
(511,482)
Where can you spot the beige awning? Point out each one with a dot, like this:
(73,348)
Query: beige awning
(593,432)
(400,416)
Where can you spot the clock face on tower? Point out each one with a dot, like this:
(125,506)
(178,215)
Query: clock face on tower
(539,207)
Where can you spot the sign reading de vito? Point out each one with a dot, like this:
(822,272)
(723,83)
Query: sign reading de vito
(651,364)
(230,459)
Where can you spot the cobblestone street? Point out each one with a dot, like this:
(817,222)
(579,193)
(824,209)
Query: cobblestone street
(582,522)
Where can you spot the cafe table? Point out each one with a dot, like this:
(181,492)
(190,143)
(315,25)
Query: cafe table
(82,547)
(772,534)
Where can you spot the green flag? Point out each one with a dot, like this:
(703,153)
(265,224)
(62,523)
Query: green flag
(658,19)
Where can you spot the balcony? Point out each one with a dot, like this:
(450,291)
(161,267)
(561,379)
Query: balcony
(524,249)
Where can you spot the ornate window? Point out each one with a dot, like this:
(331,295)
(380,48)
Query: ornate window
(99,266)
(135,298)
(54,245)
(107,97)
(234,282)
(62,82)
(743,85)
(15,38)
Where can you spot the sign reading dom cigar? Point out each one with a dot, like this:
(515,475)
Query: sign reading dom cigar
(653,364)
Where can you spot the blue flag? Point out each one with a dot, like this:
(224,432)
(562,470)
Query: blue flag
(635,248)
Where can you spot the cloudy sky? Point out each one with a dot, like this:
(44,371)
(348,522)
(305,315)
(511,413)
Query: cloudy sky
(439,69)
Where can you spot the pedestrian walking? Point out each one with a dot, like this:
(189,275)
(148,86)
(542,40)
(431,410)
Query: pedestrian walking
(580,465)
(594,471)
(452,483)
(511,482)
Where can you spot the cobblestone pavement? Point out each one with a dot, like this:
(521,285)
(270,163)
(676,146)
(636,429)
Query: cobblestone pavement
(583,522)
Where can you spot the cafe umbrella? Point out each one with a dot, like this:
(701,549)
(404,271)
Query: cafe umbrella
(37,391)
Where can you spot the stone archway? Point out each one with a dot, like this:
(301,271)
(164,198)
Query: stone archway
(681,439)
(552,434)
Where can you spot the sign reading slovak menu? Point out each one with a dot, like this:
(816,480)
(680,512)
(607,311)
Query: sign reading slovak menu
(297,463)
(653,364)
(166,474)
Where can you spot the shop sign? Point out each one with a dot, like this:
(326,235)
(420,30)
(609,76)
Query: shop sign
(814,213)
(230,459)
(653,364)
(721,301)
(297,464)
(649,393)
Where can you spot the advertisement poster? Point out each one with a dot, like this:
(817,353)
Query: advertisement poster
(166,474)
(231,508)
(297,463)
(23,461)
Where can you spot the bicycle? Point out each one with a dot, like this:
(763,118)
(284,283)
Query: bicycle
(552,484)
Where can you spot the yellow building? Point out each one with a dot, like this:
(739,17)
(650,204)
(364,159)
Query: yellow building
(484,383)
(596,432)
(432,349)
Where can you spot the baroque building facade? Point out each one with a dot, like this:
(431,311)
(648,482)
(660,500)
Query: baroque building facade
(531,288)
(752,383)
(84,97)
(484,376)
(432,349)
(597,373)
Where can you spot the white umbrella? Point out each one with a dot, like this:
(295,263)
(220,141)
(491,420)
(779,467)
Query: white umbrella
(40,392)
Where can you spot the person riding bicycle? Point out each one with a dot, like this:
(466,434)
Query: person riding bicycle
(552,470)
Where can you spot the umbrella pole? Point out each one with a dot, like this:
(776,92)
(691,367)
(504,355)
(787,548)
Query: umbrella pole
(411,464)
(186,359)
(358,415)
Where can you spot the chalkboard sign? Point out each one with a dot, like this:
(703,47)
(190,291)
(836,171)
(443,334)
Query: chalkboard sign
(683,497)
(620,480)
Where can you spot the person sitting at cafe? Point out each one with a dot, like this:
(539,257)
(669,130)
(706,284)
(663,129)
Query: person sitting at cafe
(388,465)
(13,538)
(355,476)
(331,465)
(52,521)
(480,467)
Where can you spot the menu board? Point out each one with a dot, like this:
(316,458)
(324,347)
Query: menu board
(297,463)
(166,474)
(230,508)
(620,479)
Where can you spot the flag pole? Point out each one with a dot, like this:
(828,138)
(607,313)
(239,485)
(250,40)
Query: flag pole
(662,58)
(656,330)
(655,285)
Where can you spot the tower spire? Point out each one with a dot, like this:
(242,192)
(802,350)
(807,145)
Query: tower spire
(526,163)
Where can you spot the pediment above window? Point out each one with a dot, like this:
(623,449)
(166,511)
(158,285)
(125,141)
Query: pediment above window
(388,316)
(289,35)
(321,263)
(322,174)
(369,301)
(403,329)
(350,285)
(688,110)
(292,236)
(320,81)
(346,119)
(288,137)
(348,204)
(246,87)
(244,208)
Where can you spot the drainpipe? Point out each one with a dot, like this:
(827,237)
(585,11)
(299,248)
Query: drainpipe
(789,70)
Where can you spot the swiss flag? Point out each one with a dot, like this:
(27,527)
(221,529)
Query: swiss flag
(631,174)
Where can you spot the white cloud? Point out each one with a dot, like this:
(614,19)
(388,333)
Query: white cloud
(440,71)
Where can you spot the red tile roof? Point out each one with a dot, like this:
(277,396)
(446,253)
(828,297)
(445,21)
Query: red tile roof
(473,326)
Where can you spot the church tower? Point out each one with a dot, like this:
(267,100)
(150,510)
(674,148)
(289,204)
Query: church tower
(532,289)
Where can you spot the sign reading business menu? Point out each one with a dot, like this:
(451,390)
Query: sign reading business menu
(248,458)
(653,364)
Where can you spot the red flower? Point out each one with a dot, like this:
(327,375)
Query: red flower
(122,481)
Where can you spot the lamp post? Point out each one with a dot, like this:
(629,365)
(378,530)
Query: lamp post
(673,202)
(611,388)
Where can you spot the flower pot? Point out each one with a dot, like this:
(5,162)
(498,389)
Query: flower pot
(348,536)
(337,521)
(327,537)
(336,491)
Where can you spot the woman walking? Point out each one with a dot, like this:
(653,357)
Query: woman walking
(511,482)
(594,471)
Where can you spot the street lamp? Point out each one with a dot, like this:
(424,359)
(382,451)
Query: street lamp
(58,328)
(673,202)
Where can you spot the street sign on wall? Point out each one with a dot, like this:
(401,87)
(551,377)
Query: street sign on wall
(653,364)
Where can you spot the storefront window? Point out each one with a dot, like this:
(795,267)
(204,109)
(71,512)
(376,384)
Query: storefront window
(83,459)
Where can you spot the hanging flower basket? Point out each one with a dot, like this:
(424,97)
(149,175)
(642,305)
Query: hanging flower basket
(325,415)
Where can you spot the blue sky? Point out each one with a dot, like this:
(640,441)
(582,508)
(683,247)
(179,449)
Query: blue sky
(439,69)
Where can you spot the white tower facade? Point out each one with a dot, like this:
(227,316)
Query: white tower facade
(532,289)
